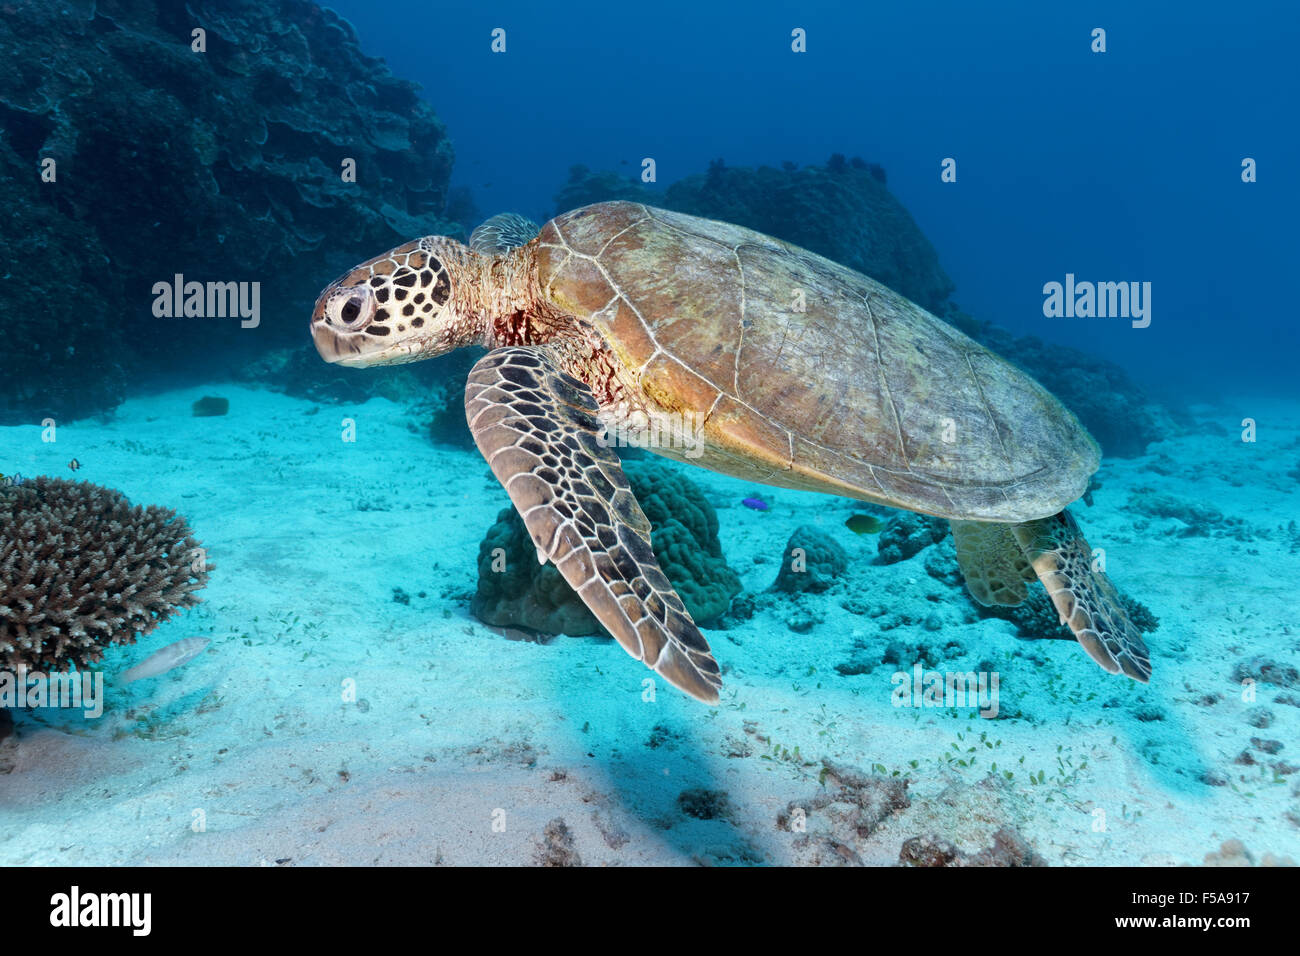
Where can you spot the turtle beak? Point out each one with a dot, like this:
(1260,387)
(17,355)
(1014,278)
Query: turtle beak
(339,321)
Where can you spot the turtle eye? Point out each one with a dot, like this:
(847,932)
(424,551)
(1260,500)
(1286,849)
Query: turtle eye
(354,311)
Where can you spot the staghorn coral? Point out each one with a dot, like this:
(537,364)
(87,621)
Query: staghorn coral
(82,569)
(685,540)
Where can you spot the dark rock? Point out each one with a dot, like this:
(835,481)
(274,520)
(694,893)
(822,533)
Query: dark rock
(210,406)
(1260,717)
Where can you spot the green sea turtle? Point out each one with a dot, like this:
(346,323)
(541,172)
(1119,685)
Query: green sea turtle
(745,355)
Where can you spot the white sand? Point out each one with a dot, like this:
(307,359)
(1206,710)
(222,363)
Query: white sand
(310,536)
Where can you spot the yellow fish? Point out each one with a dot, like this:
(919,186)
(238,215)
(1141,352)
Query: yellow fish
(864,524)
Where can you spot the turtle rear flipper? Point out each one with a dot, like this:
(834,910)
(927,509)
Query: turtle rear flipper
(1086,600)
(537,428)
(992,562)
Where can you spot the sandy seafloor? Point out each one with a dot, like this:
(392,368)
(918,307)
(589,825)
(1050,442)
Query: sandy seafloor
(453,723)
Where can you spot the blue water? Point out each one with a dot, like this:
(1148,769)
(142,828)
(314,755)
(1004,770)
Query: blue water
(349,563)
(1116,166)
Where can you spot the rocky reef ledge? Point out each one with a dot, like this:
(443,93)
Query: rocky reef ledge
(216,155)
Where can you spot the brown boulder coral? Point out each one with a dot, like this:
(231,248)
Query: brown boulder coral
(82,569)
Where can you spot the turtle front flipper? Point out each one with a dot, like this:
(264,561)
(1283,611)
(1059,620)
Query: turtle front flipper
(1086,600)
(537,428)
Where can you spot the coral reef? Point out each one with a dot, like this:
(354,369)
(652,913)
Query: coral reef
(529,595)
(81,569)
(812,560)
(221,165)
(585,187)
(704,804)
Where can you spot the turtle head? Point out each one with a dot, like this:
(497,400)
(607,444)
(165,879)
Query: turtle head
(403,306)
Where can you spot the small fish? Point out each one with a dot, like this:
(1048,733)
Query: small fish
(758,504)
(8,481)
(161,661)
(74,464)
(864,524)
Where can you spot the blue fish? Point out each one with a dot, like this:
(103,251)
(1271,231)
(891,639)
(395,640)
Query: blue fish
(758,504)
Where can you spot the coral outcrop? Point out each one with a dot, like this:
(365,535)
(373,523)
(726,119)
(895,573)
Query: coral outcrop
(907,534)
(82,569)
(585,187)
(812,561)
(839,819)
(223,164)
(515,591)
